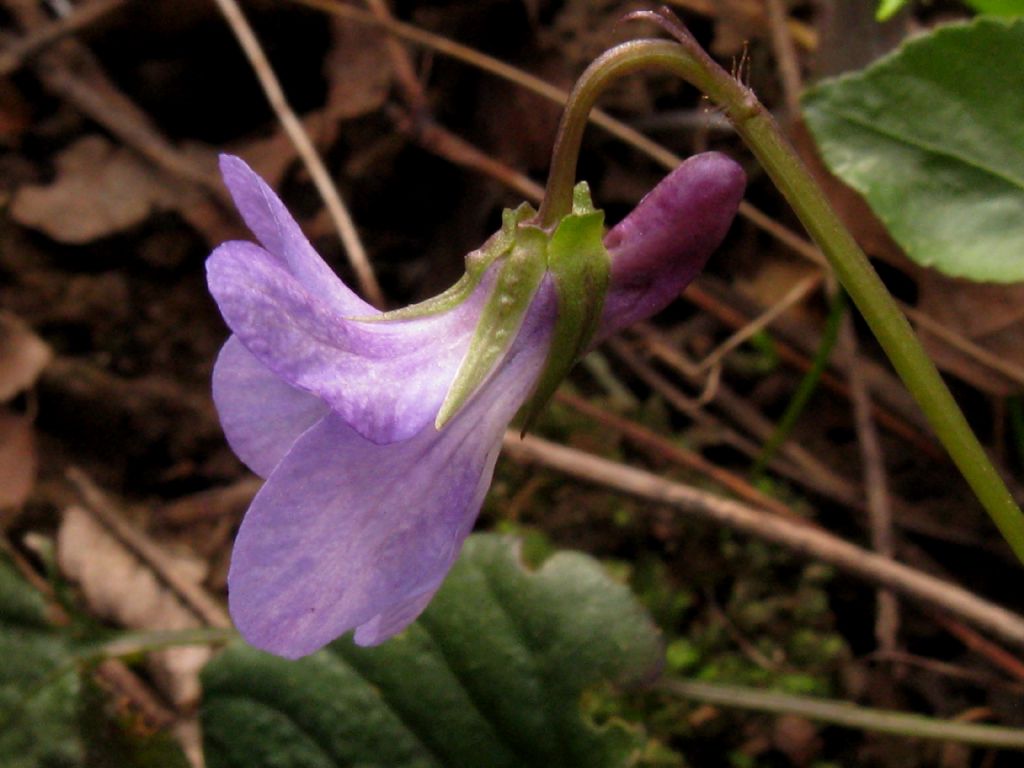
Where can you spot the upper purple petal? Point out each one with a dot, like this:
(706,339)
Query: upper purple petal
(262,415)
(273,225)
(665,241)
(386,378)
(348,534)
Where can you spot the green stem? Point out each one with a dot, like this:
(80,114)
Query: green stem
(848,715)
(755,125)
(806,388)
(128,644)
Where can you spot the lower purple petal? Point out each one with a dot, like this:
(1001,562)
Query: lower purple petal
(261,415)
(346,532)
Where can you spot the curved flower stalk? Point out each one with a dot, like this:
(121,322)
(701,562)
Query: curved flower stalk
(377,432)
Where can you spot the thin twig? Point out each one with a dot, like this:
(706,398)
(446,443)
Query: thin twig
(796,347)
(802,539)
(194,596)
(482,61)
(18,52)
(978,677)
(796,294)
(405,73)
(785,55)
(304,146)
(223,503)
(748,649)
(665,449)
(876,485)
(887,618)
(848,715)
(675,398)
(415,121)
(998,656)
(803,467)
(443,143)
(819,477)
(71,71)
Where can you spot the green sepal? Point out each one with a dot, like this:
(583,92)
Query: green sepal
(497,247)
(580,266)
(521,272)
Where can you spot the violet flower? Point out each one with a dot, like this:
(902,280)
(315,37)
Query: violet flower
(375,433)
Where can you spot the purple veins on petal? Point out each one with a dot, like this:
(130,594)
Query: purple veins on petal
(385,378)
(366,504)
(268,219)
(349,534)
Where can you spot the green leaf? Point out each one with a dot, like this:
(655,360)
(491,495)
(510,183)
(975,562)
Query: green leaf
(933,137)
(889,8)
(38,710)
(52,715)
(998,7)
(491,675)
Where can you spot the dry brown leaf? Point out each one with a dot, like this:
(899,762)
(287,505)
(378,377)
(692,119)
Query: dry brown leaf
(358,74)
(773,279)
(357,69)
(992,316)
(17,458)
(119,587)
(23,356)
(100,190)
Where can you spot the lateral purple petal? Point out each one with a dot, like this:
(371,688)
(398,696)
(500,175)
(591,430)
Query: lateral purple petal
(665,241)
(261,415)
(348,534)
(386,378)
(273,225)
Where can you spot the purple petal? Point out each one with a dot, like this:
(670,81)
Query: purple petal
(391,622)
(387,379)
(349,534)
(664,242)
(261,415)
(269,220)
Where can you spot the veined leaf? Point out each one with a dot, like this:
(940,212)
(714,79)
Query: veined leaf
(933,137)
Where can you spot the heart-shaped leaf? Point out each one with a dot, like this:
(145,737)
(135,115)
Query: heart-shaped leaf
(933,137)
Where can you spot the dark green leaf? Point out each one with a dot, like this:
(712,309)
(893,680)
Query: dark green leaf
(491,675)
(998,7)
(37,708)
(888,8)
(52,715)
(933,137)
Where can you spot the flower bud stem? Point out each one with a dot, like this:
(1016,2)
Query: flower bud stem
(762,135)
